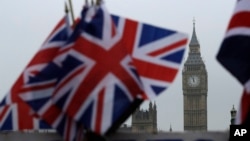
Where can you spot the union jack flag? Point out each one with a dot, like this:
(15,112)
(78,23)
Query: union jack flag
(156,52)
(106,69)
(234,55)
(104,81)
(40,99)
(12,101)
(15,117)
(64,68)
(68,128)
(109,81)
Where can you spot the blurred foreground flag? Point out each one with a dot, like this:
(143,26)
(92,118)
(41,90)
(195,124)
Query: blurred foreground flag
(16,114)
(112,66)
(156,52)
(62,74)
(117,62)
(234,54)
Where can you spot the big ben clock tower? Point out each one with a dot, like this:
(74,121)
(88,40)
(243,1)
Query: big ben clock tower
(194,85)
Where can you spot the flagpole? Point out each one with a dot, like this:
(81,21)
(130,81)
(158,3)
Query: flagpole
(86,3)
(71,11)
(98,2)
(66,8)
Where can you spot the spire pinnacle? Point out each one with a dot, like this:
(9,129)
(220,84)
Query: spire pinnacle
(194,41)
(233,109)
(150,104)
(193,22)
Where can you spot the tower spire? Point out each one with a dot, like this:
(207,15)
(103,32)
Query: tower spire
(233,115)
(154,105)
(194,66)
(193,22)
(194,41)
(150,105)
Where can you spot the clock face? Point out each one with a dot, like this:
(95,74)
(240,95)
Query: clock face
(193,80)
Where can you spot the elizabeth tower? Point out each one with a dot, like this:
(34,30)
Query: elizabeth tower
(194,86)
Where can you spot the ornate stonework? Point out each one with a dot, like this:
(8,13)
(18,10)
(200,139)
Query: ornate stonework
(194,86)
(145,120)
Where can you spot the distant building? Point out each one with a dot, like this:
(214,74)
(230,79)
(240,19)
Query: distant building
(233,115)
(125,129)
(170,129)
(194,86)
(145,120)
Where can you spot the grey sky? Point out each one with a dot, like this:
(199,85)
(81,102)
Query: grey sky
(25,24)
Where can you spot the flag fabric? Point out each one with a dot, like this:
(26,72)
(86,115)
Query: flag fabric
(103,82)
(68,128)
(104,72)
(156,52)
(12,119)
(110,81)
(243,114)
(41,102)
(12,101)
(234,53)
(64,67)
(99,87)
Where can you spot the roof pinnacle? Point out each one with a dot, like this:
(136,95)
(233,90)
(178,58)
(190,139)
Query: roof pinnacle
(233,109)
(194,41)
(193,22)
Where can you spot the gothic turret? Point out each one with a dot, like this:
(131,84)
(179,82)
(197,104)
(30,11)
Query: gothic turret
(150,106)
(233,115)
(154,106)
(145,120)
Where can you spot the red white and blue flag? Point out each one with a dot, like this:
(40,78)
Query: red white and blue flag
(113,62)
(12,101)
(66,67)
(156,52)
(14,117)
(114,57)
(104,81)
(234,54)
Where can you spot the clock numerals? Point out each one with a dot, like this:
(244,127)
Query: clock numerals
(193,80)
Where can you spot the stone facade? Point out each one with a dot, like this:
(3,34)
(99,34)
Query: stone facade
(145,120)
(194,85)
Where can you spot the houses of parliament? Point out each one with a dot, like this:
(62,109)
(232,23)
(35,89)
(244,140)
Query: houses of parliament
(194,87)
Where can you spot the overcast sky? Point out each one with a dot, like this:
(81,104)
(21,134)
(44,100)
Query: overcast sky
(25,24)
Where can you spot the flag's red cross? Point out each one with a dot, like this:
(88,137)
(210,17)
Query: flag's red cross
(144,67)
(106,61)
(4,110)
